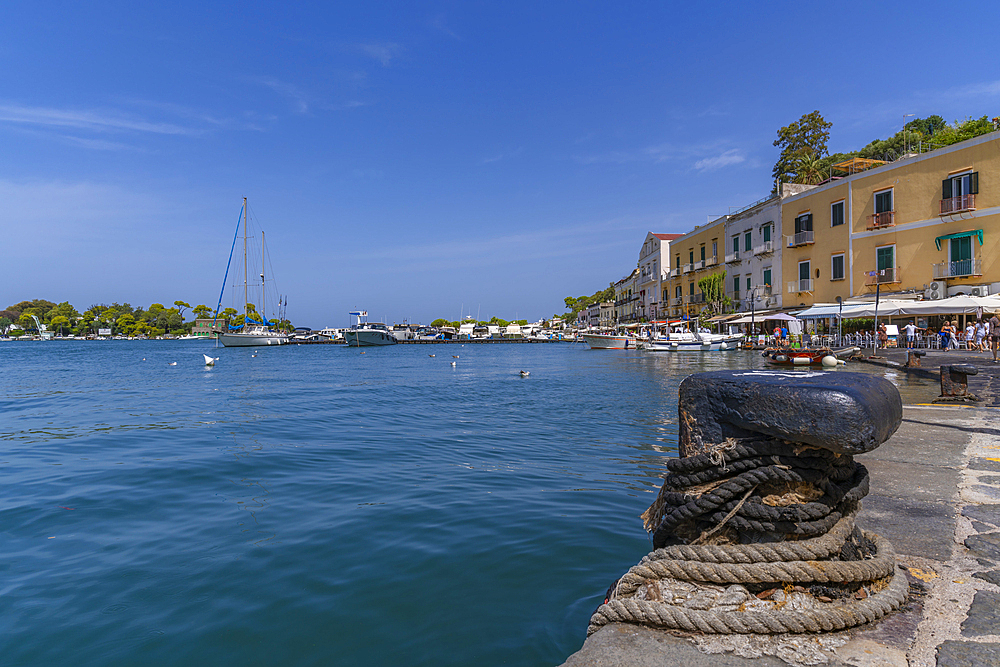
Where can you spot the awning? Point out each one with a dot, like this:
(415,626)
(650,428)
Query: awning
(959,235)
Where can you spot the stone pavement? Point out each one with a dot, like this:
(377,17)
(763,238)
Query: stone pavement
(936,496)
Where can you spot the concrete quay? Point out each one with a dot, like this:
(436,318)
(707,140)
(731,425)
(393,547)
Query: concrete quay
(935,495)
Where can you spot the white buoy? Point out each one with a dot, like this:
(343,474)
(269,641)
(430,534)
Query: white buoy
(841,362)
(781,357)
(801,361)
(723,346)
(829,361)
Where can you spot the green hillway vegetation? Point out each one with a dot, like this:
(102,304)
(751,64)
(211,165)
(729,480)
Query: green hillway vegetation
(804,158)
(441,322)
(122,319)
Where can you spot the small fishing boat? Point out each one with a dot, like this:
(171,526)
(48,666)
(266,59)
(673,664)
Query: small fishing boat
(368,334)
(787,356)
(704,343)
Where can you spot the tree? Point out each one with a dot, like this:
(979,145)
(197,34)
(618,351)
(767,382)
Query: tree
(810,169)
(201,312)
(181,306)
(58,323)
(5,323)
(713,287)
(808,134)
(228,313)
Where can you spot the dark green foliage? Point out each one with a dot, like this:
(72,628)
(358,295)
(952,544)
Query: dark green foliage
(808,135)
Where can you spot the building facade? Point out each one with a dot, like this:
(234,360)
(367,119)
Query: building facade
(626,307)
(654,271)
(926,224)
(695,255)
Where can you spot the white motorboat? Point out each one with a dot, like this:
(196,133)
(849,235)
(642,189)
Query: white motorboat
(599,341)
(367,334)
(251,333)
(690,343)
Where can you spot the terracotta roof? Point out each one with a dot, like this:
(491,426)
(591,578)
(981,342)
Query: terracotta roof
(667,237)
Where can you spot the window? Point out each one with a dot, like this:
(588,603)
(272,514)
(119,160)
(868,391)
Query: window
(703,253)
(767,233)
(678,291)
(803,271)
(885,258)
(691,257)
(736,245)
(767,277)
(883,201)
(837,214)
(747,242)
(837,267)
(960,252)
(665,293)
(736,287)
(804,223)
(748,283)
(678,264)
(961,184)
(691,285)
(715,249)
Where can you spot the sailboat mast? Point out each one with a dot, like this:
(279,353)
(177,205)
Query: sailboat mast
(246,221)
(263,308)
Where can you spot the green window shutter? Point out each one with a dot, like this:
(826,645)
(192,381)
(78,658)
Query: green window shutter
(946,189)
(974,183)
(767,233)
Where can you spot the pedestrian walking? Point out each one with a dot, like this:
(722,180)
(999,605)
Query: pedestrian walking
(995,334)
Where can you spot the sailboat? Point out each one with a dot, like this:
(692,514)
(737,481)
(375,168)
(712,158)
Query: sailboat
(251,333)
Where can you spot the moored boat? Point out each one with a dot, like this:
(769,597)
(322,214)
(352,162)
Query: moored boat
(368,334)
(787,356)
(598,341)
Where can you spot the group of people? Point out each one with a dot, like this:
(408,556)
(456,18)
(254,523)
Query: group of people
(982,335)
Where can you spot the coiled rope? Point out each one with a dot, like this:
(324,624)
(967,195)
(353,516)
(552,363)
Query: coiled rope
(782,518)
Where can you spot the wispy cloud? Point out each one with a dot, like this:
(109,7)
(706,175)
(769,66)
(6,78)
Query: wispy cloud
(350,104)
(438,24)
(724,159)
(91,120)
(502,156)
(300,100)
(383,52)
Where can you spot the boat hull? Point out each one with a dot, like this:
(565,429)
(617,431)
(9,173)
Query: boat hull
(606,341)
(237,339)
(796,357)
(723,345)
(369,338)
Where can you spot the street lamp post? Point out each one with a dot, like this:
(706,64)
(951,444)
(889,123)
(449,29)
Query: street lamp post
(840,321)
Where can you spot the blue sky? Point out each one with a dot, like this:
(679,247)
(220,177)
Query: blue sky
(414,157)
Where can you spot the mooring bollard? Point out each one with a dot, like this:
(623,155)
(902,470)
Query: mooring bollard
(913,358)
(753,528)
(955,381)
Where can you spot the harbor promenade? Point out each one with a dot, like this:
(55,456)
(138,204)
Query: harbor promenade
(935,494)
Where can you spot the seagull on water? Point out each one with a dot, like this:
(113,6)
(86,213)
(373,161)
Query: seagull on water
(454,363)
(525,374)
(172,363)
(430,355)
(454,356)
(209,361)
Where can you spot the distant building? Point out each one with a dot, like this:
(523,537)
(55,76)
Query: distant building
(654,272)
(207,327)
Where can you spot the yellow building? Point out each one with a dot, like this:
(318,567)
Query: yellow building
(926,224)
(695,255)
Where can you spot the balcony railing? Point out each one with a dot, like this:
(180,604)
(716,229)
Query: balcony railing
(733,257)
(961,268)
(880,220)
(677,300)
(675,272)
(687,268)
(801,285)
(712,261)
(802,238)
(764,248)
(957,204)
(884,276)
(699,265)
(698,298)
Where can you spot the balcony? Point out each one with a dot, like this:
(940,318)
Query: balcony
(687,268)
(675,272)
(960,269)
(697,298)
(958,204)
(764,248)
(802,238)
(800,285)
(676,301)
(882,277)
(712,261)
(733,257)
(699,265)
(882,220)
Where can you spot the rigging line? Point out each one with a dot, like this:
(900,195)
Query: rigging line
(226,277)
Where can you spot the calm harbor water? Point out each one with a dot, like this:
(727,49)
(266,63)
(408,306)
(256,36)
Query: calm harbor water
(317,506)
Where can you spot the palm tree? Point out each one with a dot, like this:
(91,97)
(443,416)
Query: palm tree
(809,169)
